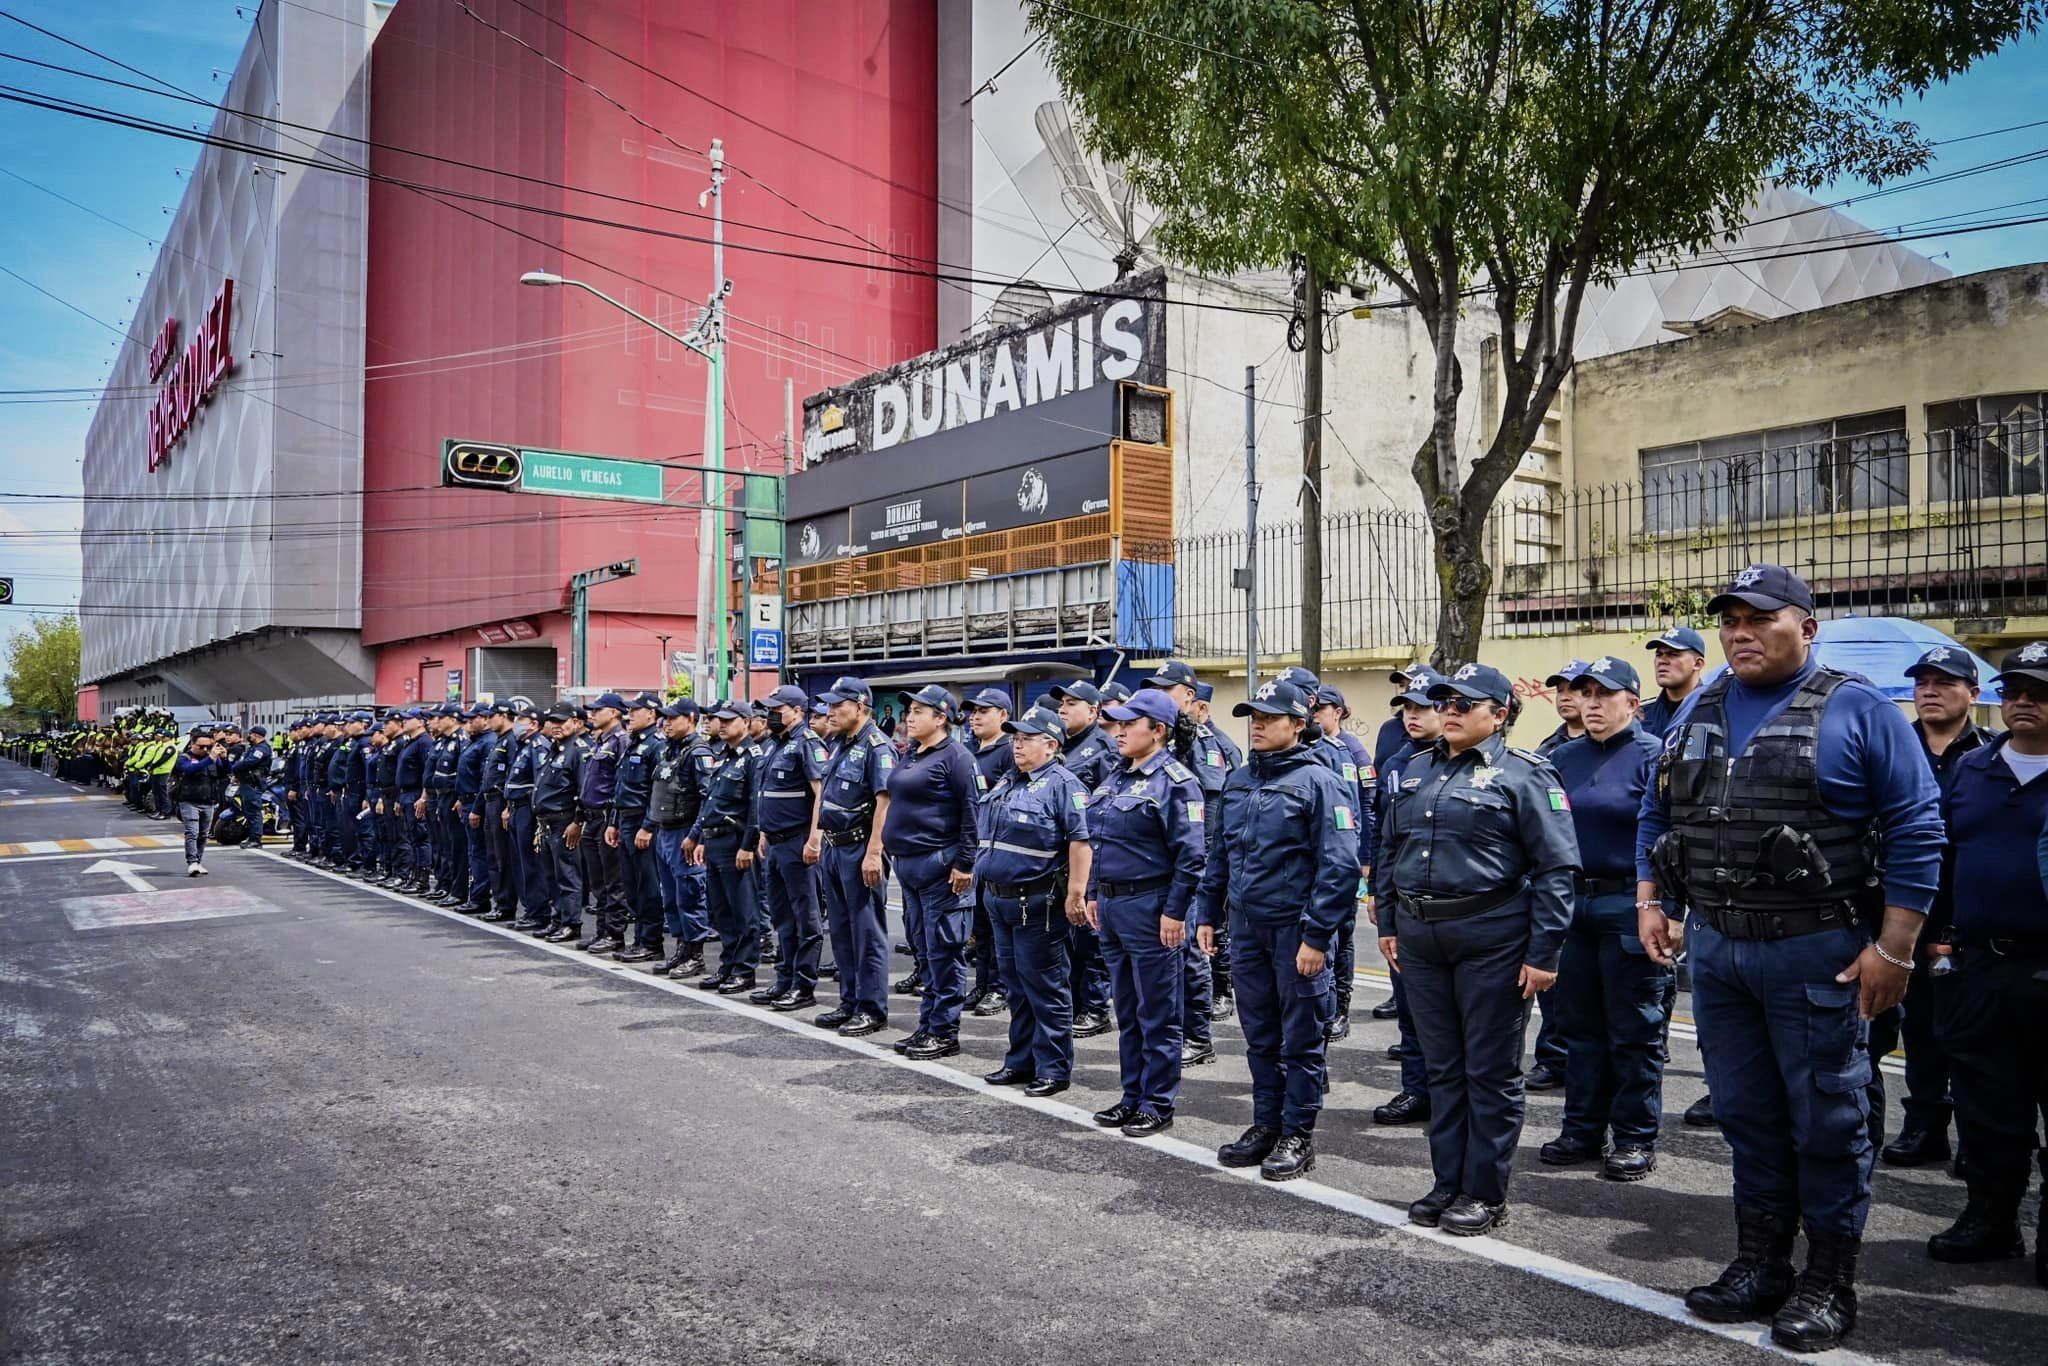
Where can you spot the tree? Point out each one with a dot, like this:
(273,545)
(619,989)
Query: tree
(1497,156)
(42,669)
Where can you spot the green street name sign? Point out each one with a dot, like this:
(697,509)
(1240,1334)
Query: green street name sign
(588,476)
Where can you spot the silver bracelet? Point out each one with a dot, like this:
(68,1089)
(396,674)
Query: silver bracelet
(1905,963)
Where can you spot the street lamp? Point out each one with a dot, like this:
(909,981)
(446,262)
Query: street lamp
(707,339)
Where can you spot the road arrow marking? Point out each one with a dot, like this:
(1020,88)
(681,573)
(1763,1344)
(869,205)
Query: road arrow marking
(129,873)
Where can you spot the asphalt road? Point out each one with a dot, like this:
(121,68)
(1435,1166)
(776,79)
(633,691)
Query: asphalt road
(311,1122)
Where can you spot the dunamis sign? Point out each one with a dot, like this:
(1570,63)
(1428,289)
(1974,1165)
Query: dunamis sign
(194,375)
(1090,340)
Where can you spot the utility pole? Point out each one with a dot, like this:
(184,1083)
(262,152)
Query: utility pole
(1312,469)
(663,675)
(1248,577)
(782,672)
(713,330)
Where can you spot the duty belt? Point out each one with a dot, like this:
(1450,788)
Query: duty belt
(839,839)
(785,836)
(720,828)
(1105,887)
(1019,891)
(1604,886)
(1430,909)
(2007,946)
(1775,924)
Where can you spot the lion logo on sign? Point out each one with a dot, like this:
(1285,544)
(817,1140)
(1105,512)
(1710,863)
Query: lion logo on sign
(1033,494)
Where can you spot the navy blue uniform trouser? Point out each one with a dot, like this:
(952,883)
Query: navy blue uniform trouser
(682,889)
(332,824)
(1197,996)
(1550,1049)
(1031,962)
(476,840)
(1414,1075)
(1609,1019)
(295,809)
(1881,1038)
(793,910)
(564,875)
(504,880)
(395,855)
(419,843)
(939,920)
(1145,979)
(1089,972)
(639,879)
(1787,1064)
(1988,1015)
(982,951)
(536,889)
(1927,1072)
(1284,1016)
(733,912)
(857,917)
(455,843)
(604,879)
(250,803)
(1464,993)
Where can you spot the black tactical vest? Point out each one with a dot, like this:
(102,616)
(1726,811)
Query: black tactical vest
(1754,834)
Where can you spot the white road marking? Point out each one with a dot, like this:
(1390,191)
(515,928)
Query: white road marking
(173,846)
(1600,1284)
(127,909)
(129,873)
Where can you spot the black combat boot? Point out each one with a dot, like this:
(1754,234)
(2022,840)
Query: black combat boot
(1988,1229)
(1759,1280)
(1822,1310)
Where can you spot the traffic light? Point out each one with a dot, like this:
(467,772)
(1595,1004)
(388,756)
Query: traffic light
(475,465)
(6,592)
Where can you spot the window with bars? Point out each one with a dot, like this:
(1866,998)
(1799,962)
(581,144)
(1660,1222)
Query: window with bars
(1988,447)
(1845,464)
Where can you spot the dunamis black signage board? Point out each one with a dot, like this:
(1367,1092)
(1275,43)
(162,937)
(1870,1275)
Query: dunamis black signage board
(1044,491)
(816,540)
(919,517)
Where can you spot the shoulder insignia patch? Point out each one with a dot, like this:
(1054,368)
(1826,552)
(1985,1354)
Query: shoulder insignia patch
(1529,755)
(1176,772)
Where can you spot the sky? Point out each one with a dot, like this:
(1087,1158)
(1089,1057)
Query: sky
(135,179)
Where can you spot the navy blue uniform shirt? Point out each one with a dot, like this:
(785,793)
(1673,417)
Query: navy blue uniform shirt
(1392,739)
(795,761)
(469,768)
(932,796)
(601,769)
(1996,889)
(1091,756)
(729,804)
(1027,821)
(522,764)
(1605,780)
(558,774)
(858,771)
(1286,847)
(994,762)
(1146,822)
(636,768)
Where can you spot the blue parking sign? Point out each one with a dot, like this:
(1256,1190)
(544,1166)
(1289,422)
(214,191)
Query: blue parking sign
(764,648)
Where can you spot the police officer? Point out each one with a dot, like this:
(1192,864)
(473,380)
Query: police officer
(1991,1004)
(1394,735)
(791,776)
(601,870)
(681,778)
(1610,994)
(1566,703)
(1328,712)
(520,833)
(1205,693)
(1031,875)
(341,826)
(1283,866)
(251,772)
(994,760)
(294,784)
(490,816)
(1475,883)
(1194,745)
(391,849)
(1681,658)
(626,821)
(1945,686)
(467,808)
(1423,723)
(1776,780)
(1091,753)
(1222,1005)
(1145,821)
(930,834)
(558,777)
(723,842)
(853,871)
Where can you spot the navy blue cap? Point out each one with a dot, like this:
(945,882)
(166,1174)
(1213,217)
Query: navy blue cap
(519,707)
(1080,689)
(1205,692)
(258,730)
(1327,696)
(820,707)
(727,710)
(1946,659)
(1280,696)
(448,709)
(561,711)
(1570,672)
(2030,661)
(1036,722)
(480,712)
(607,699)
(1681,638)
(990,697)
(847,688)
(648,701)
(1302,679)
(1766,587)
(1611,674)
(1152,703)
(1475,681)
(933,696)
(1172,672)
(788,695)
(1114,692)
(1421,678)
(682,706)
(1405,677)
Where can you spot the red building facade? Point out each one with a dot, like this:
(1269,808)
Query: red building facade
(512,161)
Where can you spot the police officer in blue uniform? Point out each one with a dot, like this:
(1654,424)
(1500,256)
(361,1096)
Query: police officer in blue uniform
(1610,994)
(1283,867)
(1393,736)
(469,811)
(1222,1004)
(391,850)
(1145,821)
(1945,686)
(987,711)
(604,882)
(1992,1001)
(251,771)
(414,756)
(1475,891)
(444,829)
(496,830)
(930,834)
(1567,703)
(1776,781)
(1194,745)
(792,775)
(558,777)
(1031,875)
(1091,754)
(681,778)
(1423,723)
(853,871)
(1681,658)
(523,750)
(626,821)
(723,842)
(1328,713)
(341,826)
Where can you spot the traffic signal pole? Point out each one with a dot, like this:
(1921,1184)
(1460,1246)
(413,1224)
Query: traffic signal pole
(718,563)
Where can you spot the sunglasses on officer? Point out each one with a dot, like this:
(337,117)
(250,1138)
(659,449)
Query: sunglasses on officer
(1462,705)
(2022,688)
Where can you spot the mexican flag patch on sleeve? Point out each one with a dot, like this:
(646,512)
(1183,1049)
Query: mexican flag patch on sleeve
(1080,801)
(1558,801)
(1344,819)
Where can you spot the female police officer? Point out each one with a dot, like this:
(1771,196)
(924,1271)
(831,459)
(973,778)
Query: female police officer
(1145,821)
(930,834)
(1284,868)
(1610,997)
(1030,874)
(1475,873)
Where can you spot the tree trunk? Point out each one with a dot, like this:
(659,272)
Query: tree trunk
(1464,581)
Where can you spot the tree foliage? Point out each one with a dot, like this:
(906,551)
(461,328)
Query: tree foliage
(1492,160)
(42,669)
